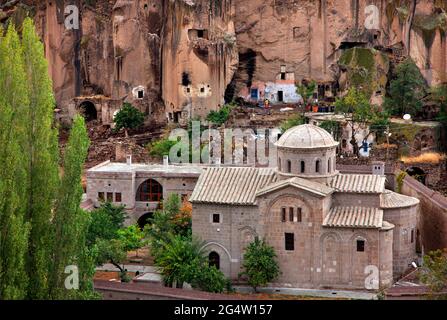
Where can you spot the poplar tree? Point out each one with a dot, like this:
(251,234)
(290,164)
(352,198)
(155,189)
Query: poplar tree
(14,117)
(69,223)
(42,148)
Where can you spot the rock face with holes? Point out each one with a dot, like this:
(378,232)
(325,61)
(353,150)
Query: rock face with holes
(183,58)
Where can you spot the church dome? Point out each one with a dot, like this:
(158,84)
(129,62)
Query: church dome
(306,136)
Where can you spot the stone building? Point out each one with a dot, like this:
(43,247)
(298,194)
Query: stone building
(141,188)
(328,229)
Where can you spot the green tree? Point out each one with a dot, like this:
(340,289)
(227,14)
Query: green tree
(68,221)
(406,90)
(359,114)
(105,223)
(439,95)
(128,118)
(306,90)
(434,272)
(260,265)
(14,170)
(131,238)
(42,148)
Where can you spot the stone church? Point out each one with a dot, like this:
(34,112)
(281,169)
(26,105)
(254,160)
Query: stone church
(329,230)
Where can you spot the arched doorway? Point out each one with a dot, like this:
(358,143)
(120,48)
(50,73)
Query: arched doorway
(214,260)
(145,220)
(150,191)
(418,174)
(88,110)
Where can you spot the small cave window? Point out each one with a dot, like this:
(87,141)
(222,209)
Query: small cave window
(360,245)
(88,110)
(186,81)
(188,90)
(202,89)
(140,94)
(200,33)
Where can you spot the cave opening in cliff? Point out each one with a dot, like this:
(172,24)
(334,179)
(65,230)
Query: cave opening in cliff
(186,81)
(247,64)
(88,111)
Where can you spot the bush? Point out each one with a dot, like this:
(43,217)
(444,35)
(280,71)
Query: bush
(161,147)
(105,223)
(260,265)
(209,279)
(221,116)
(128,117)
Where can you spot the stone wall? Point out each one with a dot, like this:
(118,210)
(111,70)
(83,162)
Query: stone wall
(432,222)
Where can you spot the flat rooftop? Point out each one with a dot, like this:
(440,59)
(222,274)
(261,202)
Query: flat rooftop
(118,167)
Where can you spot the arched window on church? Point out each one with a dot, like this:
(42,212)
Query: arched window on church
(303,167)
(317,166)
(329,166)
(289,166)
(214,260)
(279,164)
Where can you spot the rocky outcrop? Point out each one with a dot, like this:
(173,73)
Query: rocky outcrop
(177,59)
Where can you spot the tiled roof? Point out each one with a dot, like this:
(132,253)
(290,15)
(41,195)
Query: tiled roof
(359,183)
(303,184)
(354,217)
(390,199)
(237,186)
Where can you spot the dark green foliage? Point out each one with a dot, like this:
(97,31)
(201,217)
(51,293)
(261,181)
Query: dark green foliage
(128,117)
(434,271)
(406,90)
(260,265)
(105,223)
(221,116)
(161,147)
(306,91)
(439,95)
(181,260)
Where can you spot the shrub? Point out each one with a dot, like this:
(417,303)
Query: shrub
(161,147)
(221,116)
(128,117)
(260,265)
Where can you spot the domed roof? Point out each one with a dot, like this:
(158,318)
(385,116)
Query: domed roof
(306,136)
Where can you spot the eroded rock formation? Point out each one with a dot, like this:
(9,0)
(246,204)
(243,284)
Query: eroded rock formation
(177,59)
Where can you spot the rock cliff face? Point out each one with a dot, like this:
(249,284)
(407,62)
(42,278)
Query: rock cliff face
(177,59)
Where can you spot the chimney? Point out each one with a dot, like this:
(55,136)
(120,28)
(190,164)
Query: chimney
(378,168)
(129,159)
(166,161)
